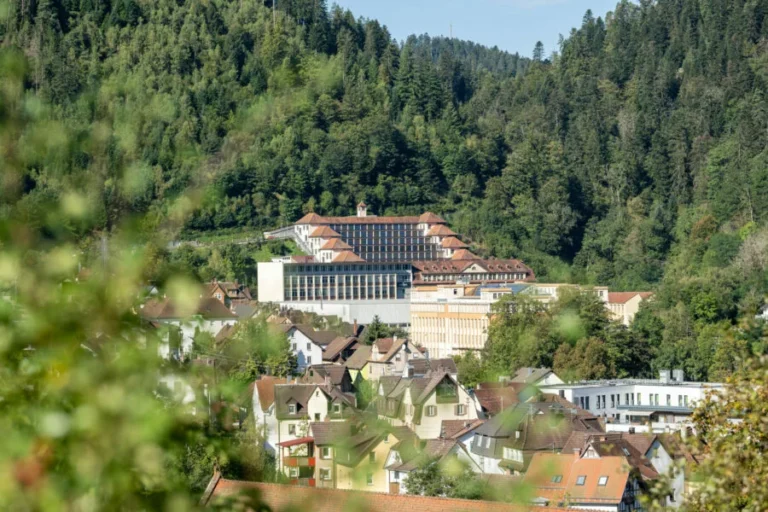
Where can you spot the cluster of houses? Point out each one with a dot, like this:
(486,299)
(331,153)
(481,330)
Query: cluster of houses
(325,433)
(363,417)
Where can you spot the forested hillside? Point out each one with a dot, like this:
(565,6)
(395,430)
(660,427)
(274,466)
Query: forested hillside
(632,156)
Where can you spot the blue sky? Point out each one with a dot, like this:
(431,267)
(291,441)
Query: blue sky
(512,25)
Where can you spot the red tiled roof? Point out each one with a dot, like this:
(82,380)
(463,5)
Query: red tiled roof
(463,254)
(624,297)
(284,497)
(440,230)
(430,218)
(452,242)
(544,466)
(310,218)
(347,257)
(494,400)
(302,259)
(316,220)
(265,387)
(454,266)
(453,429)
(335,244)
(324,232)
(297,442)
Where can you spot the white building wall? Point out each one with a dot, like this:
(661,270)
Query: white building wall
(270,282)
(267,422)
(392,311)
(305,350)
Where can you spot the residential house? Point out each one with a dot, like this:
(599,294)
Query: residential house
(390,356)
(623,306)
(506,443)
(422,403)
(357,364)
(307,344)
(296,405)
(264,413)
(228,293)
(352,456)
(645,452)
(584,481)
(333,375)
(410,454)
(177,327)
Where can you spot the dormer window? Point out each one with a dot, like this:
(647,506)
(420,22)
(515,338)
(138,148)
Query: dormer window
(291,408)
(337,408)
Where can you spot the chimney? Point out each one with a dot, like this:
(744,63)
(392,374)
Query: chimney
(664,376)
(354,327)
(631,430)
(362,209)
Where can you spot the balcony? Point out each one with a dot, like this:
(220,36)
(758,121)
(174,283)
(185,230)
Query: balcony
(303,482)
(294,461)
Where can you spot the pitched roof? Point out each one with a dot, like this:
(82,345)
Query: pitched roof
(324,232)
(310,218)
(494,400)
(382,345)
(454,429)
(359,359)
(330,432)
(463,254)
(423,366)
(317,373)
(624,297)
(338,345)
(207,307)
(336,244)
(452,242)
(430,218)
(291,497)
(457,266)
(347,257)
(545,467)
(289,393)
(321,338)
(440,230)
(265,387)
(530,375)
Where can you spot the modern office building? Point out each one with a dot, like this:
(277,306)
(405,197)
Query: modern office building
(642,405)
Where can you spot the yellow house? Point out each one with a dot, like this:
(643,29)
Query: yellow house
(352,459)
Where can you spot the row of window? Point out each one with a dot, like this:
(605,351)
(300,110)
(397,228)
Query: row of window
(629,399)
(459,410)
(361,267)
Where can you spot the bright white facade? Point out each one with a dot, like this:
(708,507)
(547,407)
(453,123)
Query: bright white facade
(662,405)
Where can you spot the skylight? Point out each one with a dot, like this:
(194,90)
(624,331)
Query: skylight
(557,479)
(581,479)
(603,480)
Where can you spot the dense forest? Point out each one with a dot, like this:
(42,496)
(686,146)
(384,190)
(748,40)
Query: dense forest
(633,156)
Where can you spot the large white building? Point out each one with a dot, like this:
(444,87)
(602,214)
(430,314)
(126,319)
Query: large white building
(356,267)
(642,405)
